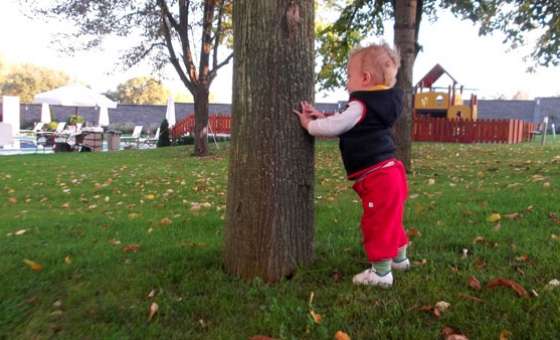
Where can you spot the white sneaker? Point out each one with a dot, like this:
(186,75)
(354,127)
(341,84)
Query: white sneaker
(371,278)
(402,265)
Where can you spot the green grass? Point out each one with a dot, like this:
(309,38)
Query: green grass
(79,211)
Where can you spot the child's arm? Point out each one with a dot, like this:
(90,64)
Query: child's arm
(335,125)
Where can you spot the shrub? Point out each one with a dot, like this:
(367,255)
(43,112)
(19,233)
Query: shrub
(163,134)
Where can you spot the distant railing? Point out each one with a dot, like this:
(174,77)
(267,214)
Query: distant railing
(510,131)
(424,129)
(217,124)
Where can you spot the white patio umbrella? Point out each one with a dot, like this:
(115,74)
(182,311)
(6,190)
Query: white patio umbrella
(170,113)
(74,95)
(103,116)
(45,113)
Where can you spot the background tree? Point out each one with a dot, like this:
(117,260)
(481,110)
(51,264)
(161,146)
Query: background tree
(166,33)
(363,18)
(142,90)
(27,80)
(269,225)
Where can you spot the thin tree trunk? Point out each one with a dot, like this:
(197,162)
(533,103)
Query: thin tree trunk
(269,224)
(201,122)
(405,40)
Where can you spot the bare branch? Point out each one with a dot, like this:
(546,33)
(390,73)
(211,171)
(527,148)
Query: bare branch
(214,71)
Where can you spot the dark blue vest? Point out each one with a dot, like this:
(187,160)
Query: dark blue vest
(371,140)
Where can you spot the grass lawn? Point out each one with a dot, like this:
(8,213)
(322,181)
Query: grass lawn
(88,242)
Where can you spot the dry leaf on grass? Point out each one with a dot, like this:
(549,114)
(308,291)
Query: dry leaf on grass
(315,316)
(131,248)
(554,217)
(165,221)
(36,267)
(495,217)
(470,298)
(508,283)
(505,334)
(152,311)
(413,232)
(449,333)
(261,337)
(513,216)
(474,283)
(340,335)
(20,232)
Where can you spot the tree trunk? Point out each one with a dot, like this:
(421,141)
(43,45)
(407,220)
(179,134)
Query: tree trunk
(269,224)
(201,121)
(405,41)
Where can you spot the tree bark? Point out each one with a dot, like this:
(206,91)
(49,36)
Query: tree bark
(405,41)
(201,121)
(269,220)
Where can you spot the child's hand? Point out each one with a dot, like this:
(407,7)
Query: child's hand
(311,111)
(304,118)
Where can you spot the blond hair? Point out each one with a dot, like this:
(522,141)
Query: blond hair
(381,61)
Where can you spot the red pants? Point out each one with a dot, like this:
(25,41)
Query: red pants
(383,193)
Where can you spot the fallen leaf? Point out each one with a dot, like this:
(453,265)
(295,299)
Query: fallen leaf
(442,306)
(152,293)
(33,265)
(315,316)
(67,260)
(150,197)
(449,333)
(12,200)
(20,232)
(479,239)
(474,283)
(522,258)
(431,181)
(508,283)
(66,205)
(131,248)
(513,216)
(115,242)
(470,297)
(132,216)
(495,217)
(554,217)
(340,335)
(505,334)
(413,232)
(552,284)
(261,337)
(152,311)
(165,221)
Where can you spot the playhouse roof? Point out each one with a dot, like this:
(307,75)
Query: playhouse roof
(431,77)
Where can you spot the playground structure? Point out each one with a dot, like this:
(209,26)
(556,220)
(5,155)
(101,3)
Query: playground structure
(440,104)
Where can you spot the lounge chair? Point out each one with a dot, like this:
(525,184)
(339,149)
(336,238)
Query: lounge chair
(150,141)
(134,138)
(36,129)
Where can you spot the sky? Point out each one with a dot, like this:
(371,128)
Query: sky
(485,64)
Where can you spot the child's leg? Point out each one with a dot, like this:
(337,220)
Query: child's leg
(382,195)
(400,261)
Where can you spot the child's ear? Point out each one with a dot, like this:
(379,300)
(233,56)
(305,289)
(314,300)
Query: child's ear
(367,77)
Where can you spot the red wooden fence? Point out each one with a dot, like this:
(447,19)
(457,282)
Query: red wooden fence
(424,129)
(218,124)
(510,131)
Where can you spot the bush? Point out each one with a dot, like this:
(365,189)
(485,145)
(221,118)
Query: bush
(163,134)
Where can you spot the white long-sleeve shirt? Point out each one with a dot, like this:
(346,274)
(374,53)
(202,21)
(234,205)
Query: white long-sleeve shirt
(338,123)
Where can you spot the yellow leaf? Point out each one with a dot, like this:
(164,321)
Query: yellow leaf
(20,232)
(132,216)
(495,217)
(67,260)
(66,205)
(153,310)
(505,334)
(150,197)
(33,265)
